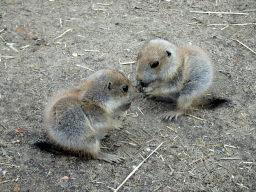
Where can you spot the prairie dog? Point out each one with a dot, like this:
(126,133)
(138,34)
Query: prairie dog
(169,73)
(77,119)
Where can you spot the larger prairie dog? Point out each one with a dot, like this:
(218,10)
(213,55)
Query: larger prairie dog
(169,73)
(77,119)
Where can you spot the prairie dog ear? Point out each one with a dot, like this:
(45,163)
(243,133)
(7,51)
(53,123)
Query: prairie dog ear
(168,53)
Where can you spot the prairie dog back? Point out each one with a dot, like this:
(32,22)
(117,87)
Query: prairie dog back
(77,119)
(169,73)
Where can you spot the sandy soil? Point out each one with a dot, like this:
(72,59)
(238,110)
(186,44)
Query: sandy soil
(43,51)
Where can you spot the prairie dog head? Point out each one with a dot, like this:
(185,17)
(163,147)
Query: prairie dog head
(111,89)
(157,61)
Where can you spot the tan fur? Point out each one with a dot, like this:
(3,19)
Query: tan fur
(77,119)
(183,75)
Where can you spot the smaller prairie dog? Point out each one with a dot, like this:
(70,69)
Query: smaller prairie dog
(169,73)
(77,119)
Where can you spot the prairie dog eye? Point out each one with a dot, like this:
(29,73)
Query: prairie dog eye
(125,88)
(155,64)
(109,85)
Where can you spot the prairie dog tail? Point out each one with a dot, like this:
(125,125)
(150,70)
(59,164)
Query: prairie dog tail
(49,148)
(214,102)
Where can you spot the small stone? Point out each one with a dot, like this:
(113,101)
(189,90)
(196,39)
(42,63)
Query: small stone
(74,54)
(65,178)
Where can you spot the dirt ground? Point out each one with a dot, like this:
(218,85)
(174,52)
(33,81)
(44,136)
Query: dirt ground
(50,45)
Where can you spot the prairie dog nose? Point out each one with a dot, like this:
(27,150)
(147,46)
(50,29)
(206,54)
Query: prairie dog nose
(143,84)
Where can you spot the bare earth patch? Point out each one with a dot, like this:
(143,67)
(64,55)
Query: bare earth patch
(48,46)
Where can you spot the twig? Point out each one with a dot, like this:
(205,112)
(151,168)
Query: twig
(224,27)
(128,63)
(191,173)
(155,106)
(141,156)
(104,4)
(230,146)
(171,129)
(130,133)
(230,13)
(249,163)
(0,123)
(2,38)
(63,34)
(244,115)
(150,140)
(146,132)
(140,149)
(200,159)
(132,114)
(195,117)
(24,47)
(235,24)
(244,121)
(173,10)
(91,50)
(244,45)
(141,111)
(84,67)
(8,57)
(162,158)
(192,23)
(241,185)
(100,9)
(127,153)
(133,140)
(186,154)
(60,23)
(250,10)
(9,165)
(7,181)
(251,129)
(14,49)
(230,158)
(137,167)
(132,144)
(172,170)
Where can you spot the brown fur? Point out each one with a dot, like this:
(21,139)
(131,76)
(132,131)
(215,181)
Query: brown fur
(77,119)
(183,74)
